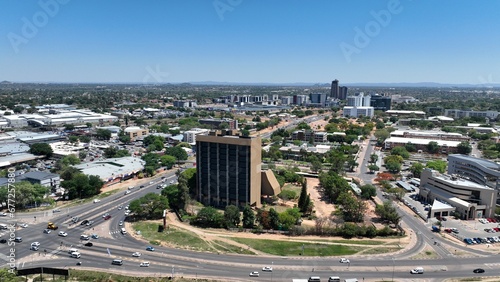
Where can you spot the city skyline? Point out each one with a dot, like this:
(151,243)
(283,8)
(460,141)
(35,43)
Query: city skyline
(237,41)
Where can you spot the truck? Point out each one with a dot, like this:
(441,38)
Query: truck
(52,226)
(436,228)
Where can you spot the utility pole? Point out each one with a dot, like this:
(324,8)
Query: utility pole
(393,265)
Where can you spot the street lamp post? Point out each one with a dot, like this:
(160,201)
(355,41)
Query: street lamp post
(272,266)
(393,265)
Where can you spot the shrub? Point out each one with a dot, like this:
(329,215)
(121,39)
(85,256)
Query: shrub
(287,195)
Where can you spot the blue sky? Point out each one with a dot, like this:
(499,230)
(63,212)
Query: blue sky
(280,41)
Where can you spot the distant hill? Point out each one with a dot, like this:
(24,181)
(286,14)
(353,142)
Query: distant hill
(5,82)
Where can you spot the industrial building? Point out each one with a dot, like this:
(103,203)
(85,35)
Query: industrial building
(113,170)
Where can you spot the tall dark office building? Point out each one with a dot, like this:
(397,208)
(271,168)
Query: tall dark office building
(342,93)
(382,103)
(228,169)
(334,91)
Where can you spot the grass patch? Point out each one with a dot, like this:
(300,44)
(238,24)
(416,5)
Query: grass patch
(359,242)
(293,187)
(173,236)
(376,251)
(281,248)
(228,248)
(105,194)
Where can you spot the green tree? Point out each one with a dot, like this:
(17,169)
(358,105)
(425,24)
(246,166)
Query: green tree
(103,134)
(352,209)
(178,152)
(372,168)
(416,169)
(303,196)
(167,161)
(438,165)
(73,139)
(150,206)
(41,149)
(248,217)
(232,216)
(433,147)
(84,139)
(373,158)
(209,217)
(464,148)
(393,166)
(69,127)
(274,218)
(70,160)
(368,191)
(400,151)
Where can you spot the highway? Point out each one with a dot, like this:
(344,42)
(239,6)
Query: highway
(230,267)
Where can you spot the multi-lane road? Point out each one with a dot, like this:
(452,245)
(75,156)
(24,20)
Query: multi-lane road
(229,267)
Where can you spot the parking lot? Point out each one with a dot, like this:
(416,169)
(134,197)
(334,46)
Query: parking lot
(481,231)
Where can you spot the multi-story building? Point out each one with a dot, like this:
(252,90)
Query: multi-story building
(135,132)
(455,113)
(228,169)
(379,102)
(300,99)
(358,105)
(190,135)
(286,100)
(317,99)
(471,200)
(309,135)
(477,170)
(185,104)
(216,123)
(342,93)
(334,90)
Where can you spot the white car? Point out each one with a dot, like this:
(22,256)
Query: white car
(267,268)
(136,254)
(120,207)
(120,223)
(96,201)
(62,234)
(151,182)
(344,260)
(127,192)
(3,214)
(34,248)
(36,244)
(144,264)
(254,274)
(23,225)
